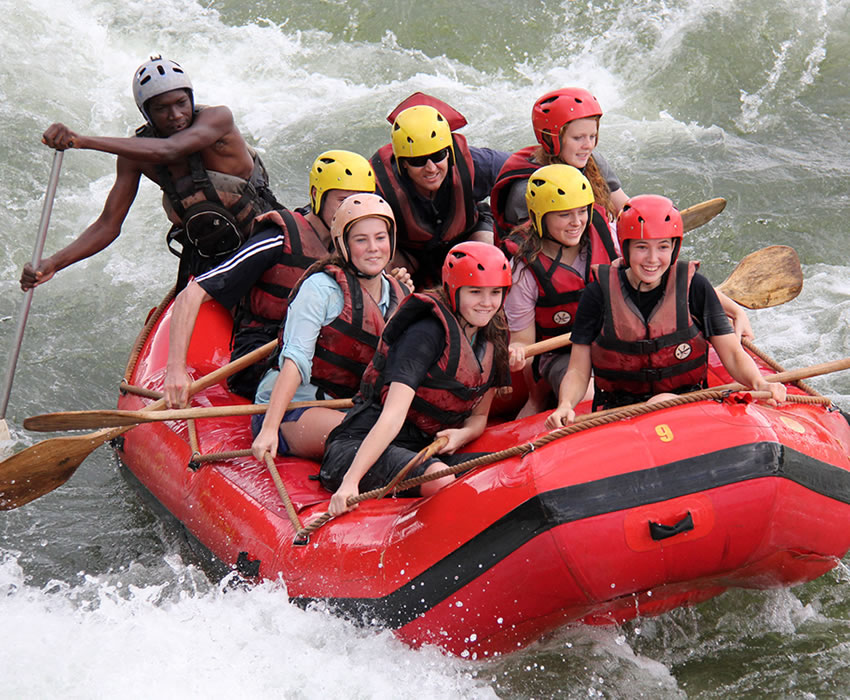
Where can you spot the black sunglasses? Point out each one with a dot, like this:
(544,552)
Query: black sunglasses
(422,161)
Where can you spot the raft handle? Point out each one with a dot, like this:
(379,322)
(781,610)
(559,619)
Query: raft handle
(657,531)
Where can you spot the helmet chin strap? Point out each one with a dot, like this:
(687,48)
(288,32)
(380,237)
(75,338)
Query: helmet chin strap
(362,275)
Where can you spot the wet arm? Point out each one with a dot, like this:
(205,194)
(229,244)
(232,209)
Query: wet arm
(735,312)
(618,199)
(741,366)
(573,387)
(183,317)
(519,341)
(209,126)
(105,229)
(472,427)
(285,386)
(386,429)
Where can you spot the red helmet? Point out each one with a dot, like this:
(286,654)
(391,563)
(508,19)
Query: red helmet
(474,264)
(557,108)
(649,216)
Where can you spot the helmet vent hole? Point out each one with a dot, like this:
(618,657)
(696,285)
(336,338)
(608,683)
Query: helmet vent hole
(667,218)
(640,218)
(348,172)
(409,140)
(561,192)
(481,267)
(433,134)
(145,80)
(161,70)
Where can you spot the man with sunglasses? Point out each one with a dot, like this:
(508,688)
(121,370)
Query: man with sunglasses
(435,183)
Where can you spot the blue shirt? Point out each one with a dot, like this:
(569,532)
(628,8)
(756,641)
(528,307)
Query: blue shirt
(318,302)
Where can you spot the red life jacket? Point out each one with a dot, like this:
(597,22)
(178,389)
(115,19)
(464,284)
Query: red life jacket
(559,287)
(520,166)
(412,232)
(346,345)
(453,387)
(644,358)
(269,297)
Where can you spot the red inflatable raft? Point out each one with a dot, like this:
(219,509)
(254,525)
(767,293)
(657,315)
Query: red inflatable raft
(634,517)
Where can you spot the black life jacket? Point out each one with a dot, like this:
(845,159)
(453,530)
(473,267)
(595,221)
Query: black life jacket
(453,387)
(213,212)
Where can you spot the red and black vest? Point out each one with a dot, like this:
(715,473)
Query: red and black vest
(520,166)
(559,287)
(414,233)
(664,354)
(202,193)
(347,344)
(269,297)
(453,387)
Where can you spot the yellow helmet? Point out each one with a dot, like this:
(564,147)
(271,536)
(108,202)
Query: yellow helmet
(420,131)
(339,170)
(556,188)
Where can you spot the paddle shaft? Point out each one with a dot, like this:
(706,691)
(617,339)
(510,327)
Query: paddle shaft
(86,420)
(23,315)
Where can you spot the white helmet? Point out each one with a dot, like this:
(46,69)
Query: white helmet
(156,77)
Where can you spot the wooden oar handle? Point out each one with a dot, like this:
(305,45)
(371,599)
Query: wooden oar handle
(538,348)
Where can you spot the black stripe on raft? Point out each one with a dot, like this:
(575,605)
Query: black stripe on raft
(572,503)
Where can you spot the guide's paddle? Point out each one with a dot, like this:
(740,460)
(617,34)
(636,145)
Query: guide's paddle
(767,277)
(23,315)
(39,469)
(699,214)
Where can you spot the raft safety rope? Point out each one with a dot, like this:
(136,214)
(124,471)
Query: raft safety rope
(586,422)
(774,365)
(153,317)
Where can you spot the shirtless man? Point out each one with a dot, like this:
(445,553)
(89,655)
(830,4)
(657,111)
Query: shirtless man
(214,184)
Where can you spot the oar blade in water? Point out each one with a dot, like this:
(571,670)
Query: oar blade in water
(45,466)
(767,277)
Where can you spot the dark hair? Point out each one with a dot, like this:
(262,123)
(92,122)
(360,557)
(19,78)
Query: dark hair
(496,332)
(530,243)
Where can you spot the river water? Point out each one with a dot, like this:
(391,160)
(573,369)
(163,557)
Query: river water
(745,99)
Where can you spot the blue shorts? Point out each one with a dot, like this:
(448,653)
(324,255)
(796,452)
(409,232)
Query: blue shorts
(289,417)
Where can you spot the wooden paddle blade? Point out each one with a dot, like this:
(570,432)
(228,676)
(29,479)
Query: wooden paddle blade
(699,214)
(45,466)
(767,277)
